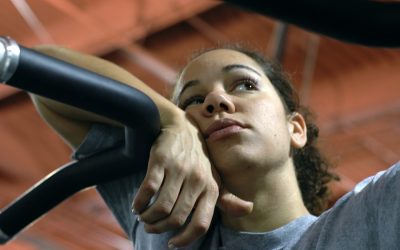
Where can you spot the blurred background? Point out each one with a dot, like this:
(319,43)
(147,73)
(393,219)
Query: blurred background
(354,91)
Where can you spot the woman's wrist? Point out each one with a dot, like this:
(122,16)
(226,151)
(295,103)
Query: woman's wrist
(171,115)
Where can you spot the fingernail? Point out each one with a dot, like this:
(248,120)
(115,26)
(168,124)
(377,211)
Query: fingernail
(171,246)
(138,219)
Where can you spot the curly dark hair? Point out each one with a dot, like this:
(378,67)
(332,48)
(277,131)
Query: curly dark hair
(312,167)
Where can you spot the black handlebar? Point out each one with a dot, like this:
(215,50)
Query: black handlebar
(66,181)
(46,76)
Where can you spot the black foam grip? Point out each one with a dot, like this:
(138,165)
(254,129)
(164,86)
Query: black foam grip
(67,83)
(63,183)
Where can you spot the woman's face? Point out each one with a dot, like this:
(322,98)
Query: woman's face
(238,111)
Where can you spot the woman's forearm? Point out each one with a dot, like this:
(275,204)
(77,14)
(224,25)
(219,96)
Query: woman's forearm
(72,123)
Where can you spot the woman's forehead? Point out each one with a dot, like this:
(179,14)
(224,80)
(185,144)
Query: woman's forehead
(215,60)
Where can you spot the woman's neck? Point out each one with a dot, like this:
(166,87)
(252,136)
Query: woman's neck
(277,200)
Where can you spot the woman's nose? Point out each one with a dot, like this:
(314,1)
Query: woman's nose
(216,102)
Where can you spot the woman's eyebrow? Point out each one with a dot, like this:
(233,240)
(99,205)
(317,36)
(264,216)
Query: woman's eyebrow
(224,69)
(239,66)
(188,84)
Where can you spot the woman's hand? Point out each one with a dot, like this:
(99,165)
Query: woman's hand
(182,179)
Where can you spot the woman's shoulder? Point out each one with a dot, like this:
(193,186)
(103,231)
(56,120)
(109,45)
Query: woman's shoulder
(371,192)
(368,213)
(380,179)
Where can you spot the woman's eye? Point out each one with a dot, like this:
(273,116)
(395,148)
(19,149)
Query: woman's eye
(192,101)
(245,85)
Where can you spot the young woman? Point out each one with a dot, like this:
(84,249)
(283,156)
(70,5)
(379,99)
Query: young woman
(242,137)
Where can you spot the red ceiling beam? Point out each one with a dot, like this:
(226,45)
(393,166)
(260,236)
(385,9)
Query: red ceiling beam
(32,20)
(6,91)
(351,120)
(145,59)
(72,11)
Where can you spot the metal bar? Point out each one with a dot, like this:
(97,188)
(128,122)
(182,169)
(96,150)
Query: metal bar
(143,58)
(77,14)
(31,19)
(207,30)
(309,67)
(379,150)
(278,42)
(376,112)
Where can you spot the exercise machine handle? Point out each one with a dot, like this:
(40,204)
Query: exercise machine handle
(40,74)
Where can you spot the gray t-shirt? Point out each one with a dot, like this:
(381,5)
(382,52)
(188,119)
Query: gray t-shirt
(365,218)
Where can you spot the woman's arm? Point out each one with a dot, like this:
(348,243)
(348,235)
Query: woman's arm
(178,179)
(72,123)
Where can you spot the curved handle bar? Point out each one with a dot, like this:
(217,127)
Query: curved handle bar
(63,183)
(46,76)
(370,23)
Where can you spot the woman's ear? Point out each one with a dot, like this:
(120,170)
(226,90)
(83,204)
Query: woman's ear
(297,130)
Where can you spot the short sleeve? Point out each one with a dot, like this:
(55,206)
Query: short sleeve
(118,194)
(99,138)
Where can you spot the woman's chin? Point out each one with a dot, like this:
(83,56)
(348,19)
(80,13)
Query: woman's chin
(233,160)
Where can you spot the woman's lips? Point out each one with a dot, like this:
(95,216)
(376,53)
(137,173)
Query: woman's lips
(225,132)
(222,128)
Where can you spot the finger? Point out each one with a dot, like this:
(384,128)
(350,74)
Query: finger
(181,211)
(233,205)
(165,200)
(199,223)
(149,187)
